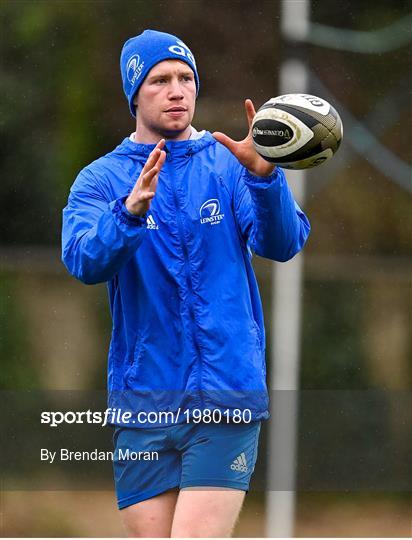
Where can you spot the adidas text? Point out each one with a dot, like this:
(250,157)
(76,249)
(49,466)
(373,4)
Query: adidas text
(239,464)
(151,223)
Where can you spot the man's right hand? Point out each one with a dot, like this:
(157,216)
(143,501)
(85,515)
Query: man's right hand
(138,202)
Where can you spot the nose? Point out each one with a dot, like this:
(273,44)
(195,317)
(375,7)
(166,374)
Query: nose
(175,90)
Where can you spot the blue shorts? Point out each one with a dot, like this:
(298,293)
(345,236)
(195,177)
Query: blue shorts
(148,462)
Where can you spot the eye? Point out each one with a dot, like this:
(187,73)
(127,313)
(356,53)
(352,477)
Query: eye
(187,78)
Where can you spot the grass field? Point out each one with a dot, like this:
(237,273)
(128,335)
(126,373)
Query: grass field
(90,514)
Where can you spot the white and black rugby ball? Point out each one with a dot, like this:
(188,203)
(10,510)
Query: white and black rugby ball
(297,131)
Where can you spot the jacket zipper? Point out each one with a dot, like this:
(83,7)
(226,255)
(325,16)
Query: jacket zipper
(188,278)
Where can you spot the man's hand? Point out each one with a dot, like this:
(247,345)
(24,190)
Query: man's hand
(138,202)
(244,150)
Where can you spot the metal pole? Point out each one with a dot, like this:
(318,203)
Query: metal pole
(286,319)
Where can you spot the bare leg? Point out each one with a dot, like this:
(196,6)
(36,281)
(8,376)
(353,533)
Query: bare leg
(206,512)
(152,517)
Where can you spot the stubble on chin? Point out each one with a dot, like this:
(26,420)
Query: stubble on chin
(173,132)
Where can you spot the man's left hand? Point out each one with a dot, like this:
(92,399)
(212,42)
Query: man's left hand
(244,150)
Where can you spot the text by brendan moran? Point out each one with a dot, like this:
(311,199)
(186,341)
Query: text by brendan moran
(121,454)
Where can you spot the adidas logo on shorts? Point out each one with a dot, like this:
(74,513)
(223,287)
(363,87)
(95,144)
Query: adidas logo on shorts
(239,464)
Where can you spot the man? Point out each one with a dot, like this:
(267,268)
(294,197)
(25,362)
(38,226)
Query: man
(169,220)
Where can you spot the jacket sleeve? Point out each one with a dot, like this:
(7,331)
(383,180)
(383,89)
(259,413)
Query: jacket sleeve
(99,236)
(270,221)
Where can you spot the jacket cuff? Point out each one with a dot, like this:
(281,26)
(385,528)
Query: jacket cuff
(252,180)
(121,213)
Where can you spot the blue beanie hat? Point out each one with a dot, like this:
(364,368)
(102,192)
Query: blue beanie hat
(141,53)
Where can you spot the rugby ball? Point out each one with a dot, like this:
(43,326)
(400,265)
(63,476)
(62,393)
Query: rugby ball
(297,131)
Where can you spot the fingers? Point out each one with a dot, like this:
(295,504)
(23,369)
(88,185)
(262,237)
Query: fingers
(154,156)
(138,202)
(161,160)
(230,144)
(150,178)
(147,196)
(147,178)
(157,159)
(161,144)
(158,168)
(151,160)
(250,111)
(152,167)
(226,141)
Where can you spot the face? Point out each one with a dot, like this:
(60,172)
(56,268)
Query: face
(166,102)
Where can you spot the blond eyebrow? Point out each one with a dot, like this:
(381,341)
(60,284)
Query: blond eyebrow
(167,75)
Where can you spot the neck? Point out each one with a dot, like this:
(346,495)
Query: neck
(144,135)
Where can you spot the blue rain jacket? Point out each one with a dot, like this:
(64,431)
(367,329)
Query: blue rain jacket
(188,328)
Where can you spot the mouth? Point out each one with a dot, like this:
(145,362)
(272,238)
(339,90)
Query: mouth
(176,110)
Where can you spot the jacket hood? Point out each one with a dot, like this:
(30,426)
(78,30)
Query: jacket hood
(187,147)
